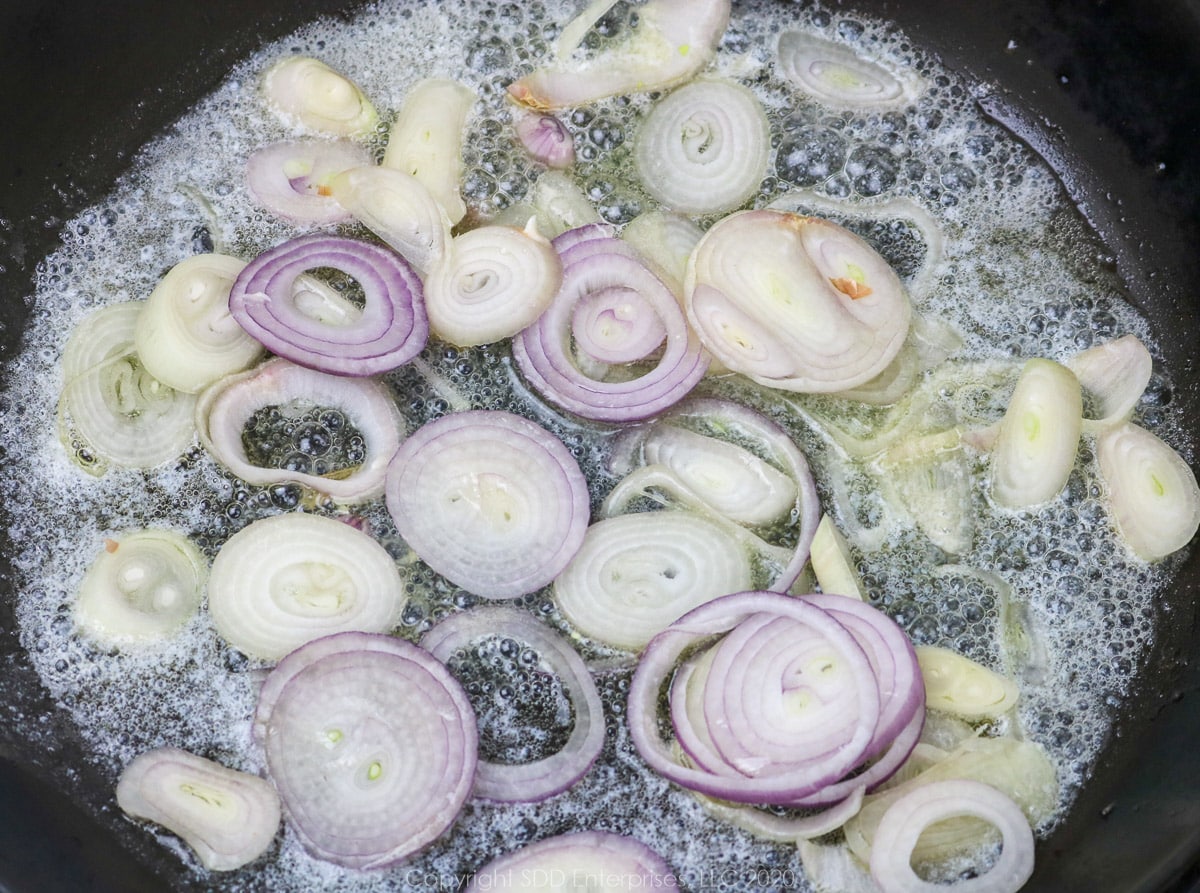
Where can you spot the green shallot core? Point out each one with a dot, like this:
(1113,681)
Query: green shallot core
(956,684)
(142,588)
(309,92)
(426,140)
(185,336)
(112,411)
(704,149)
(228,818)
(1038,437)
(1154,496)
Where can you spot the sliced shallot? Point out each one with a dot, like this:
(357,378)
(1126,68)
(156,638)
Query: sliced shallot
(372,749)
(390,329)
(578,861)
(112,411)
(674,40)
(1115,374)
(285,580)
(143,587)
(537,780)
(609,300)
(794,302)
(636,574)
(185,335)
(291,178)
(223,411)
(910,815)
(547,140)
(228,818)
(426,140)
(307,91)
(839,77)
(490,500)
(704,148)
(1154,496)
(492,283)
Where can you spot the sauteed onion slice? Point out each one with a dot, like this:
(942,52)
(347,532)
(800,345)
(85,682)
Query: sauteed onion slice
(291,178)
(534,781)
(372,749)
(388,331)
(288,579)
(582,855)
(228,818)
(308,92)
(633,306)
(223,411)
(837,76)
(490,500)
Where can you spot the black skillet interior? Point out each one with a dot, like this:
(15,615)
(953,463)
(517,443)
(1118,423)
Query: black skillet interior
(1104,89)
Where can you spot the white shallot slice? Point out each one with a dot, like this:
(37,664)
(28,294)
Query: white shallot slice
(957,685)
(1038,437)
(426,140)
(578,861)
(794,302)
(704,148)
(491,283)
(637,574)
(831,562)
(1114,374)
(533,781)
(291,178)
(674,40)
(228,818)
(489,500)
(665,240)
(111,408)
(143,587)
(372,745)
(185,335)
(930,804)
(1153,492)
(223,411)
(398,208)
(837,76)
(308,92)
(285,580)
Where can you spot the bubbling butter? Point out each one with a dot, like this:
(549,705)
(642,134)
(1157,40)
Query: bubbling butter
(1021,275)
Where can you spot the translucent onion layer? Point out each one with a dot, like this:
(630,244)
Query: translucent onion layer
(491,284)
(185,335)
(837,76)
(111,406)
(674,40)
(228,818)
(537,780)
(426,140)
(637,574)
(307,91)
(141,588)
(581,855)
(490,500)
(291,178)
(285,580)
(794,302)
(372,748)
(223,411)
(704,148)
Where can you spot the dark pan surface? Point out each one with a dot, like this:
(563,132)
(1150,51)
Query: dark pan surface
(1106,90)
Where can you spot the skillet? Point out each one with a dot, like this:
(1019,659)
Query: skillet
(1105,91)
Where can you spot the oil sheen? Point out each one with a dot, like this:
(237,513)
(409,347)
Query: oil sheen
(1050,594)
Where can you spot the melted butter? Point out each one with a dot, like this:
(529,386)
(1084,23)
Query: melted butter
(1021,276)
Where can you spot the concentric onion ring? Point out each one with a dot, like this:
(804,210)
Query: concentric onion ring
(372,748)
(551,356)
(490,500)
(288,579)
(636,574)
(493,282)
(795,302)
(704,148)
(390,330)
(224,409)
(530,782)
